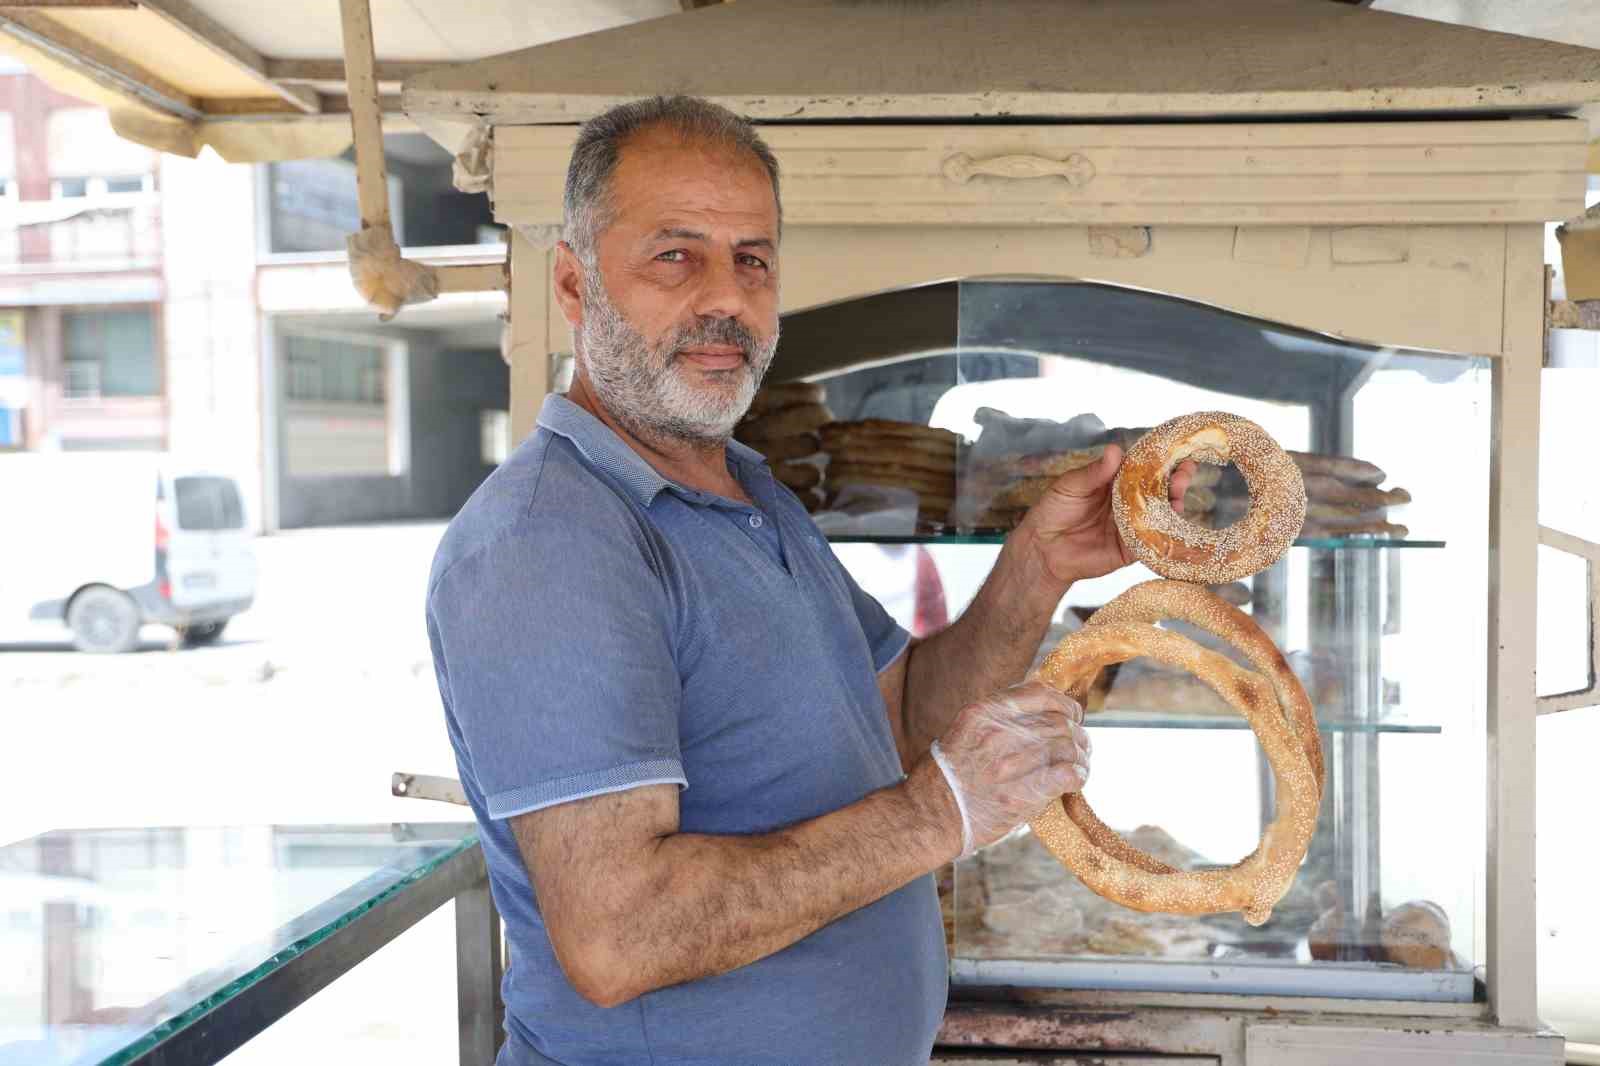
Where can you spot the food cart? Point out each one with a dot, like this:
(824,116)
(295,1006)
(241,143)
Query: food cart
(1329,217)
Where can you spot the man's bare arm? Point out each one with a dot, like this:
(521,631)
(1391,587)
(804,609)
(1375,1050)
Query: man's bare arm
(989,647)
(632,905)
(1069,535)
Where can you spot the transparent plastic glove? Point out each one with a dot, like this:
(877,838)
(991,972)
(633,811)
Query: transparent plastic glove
(1007,756)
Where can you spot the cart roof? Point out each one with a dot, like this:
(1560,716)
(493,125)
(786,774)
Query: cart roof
(259,80)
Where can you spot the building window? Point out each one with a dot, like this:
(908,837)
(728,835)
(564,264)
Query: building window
(325,370)
(110,353)
(344,406)
(72,188)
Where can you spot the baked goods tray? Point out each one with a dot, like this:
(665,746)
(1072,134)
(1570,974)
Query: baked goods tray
(1115,719)
(1355,980)
(1321,543)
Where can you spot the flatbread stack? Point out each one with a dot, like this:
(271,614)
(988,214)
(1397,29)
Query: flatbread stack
(782,425)
(1342,498)
(879,453)
(998,489)
(1014,462)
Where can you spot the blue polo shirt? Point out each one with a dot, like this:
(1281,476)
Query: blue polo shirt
(595,628)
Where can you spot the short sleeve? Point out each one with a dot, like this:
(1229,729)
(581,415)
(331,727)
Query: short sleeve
(885,636)
(556,648)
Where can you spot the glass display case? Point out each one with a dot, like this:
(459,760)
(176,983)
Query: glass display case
(1314,275)
(938,414)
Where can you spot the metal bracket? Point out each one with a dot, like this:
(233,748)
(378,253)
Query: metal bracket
(427,787)
(1589,552)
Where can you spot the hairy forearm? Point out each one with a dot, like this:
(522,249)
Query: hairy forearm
(698,905)
(989,647)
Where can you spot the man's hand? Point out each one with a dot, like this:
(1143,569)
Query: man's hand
(1008,755)
(1072,528)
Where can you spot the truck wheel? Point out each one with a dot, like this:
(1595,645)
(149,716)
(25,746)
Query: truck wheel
(204,633)
(103,621)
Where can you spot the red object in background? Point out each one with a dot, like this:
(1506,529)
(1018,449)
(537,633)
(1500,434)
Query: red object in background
(931,614)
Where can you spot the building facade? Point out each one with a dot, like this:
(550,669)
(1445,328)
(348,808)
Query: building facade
(188,305)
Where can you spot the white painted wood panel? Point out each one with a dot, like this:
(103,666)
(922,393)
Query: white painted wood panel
(533,315)
(1511,927)
(960,59)
(1201,174)
(1446,294)
(1290,1044)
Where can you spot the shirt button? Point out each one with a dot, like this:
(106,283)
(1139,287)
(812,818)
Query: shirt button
(755,521)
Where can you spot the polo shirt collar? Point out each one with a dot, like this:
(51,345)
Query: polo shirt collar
(607,452)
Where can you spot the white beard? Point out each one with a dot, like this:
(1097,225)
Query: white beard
(649,390)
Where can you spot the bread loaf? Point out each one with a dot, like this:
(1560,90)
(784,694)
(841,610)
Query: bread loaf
(798,476)
(1320,488)
(783,449)
(786,394)
(1342,467)
(785,423)
(1417,934)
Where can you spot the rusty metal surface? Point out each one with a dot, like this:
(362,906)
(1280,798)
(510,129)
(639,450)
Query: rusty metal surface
(1018,1025)
(1045,1058)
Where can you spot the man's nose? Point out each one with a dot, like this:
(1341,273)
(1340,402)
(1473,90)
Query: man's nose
(720,295)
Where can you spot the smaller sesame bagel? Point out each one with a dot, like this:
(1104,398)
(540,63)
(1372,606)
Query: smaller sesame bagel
(1177,548)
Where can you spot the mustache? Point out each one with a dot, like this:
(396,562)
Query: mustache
(725,331)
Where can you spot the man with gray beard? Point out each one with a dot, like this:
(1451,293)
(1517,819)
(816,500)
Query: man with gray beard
(712,775)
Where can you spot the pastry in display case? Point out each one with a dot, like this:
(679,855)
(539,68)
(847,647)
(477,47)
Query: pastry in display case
(1382,905)
(782,425)
(877,453)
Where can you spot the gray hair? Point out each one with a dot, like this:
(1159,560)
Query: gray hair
(588,204)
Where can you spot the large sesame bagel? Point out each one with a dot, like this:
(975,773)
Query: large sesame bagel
(1272,701)
(1177,548)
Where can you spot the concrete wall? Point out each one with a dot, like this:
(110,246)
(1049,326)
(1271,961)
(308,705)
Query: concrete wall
(447,390)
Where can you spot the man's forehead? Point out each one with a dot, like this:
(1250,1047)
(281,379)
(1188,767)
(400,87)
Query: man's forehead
(668,182)
(691,229)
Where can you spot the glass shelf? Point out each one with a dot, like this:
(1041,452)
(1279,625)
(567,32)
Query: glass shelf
(154,929)
(1321,543)
(1159,720)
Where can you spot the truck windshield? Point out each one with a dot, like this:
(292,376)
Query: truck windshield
(208,503)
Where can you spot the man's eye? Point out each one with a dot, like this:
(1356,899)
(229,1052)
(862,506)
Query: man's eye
(676,255)
(755,261)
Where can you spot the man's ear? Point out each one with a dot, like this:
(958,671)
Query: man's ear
(569,284)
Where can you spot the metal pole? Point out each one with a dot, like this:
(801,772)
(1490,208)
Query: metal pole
(479,967)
